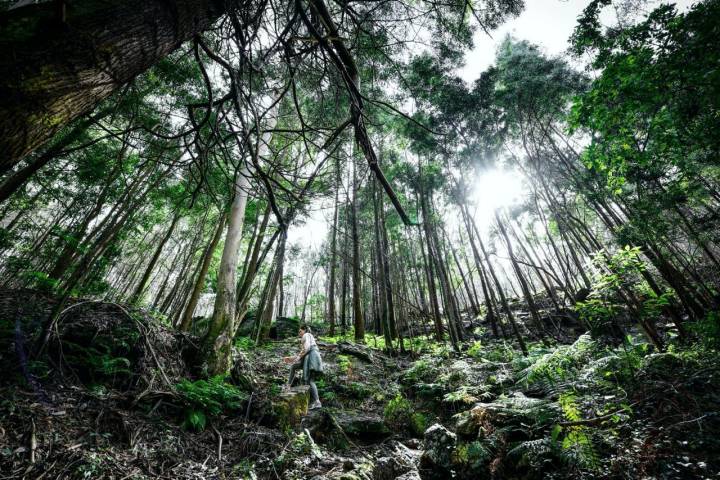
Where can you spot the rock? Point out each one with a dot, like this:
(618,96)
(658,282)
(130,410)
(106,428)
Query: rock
(411,475)
(402,462)
(413,443)
(245,329)
(439,446)
(517,410)
(325,429)
(363,426)
(242,373)
(466,425)
(290,407)
(358,351)
(284,327)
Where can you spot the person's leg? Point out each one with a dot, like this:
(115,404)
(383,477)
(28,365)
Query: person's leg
(314,396)
(293,369)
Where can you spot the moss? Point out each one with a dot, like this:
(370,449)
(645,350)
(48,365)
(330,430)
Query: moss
(290,407)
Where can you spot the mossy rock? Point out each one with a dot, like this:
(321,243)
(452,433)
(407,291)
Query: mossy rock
(290,407)
(363,426)
(284,327)
(520,412)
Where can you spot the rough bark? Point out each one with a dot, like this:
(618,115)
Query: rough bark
(52,72)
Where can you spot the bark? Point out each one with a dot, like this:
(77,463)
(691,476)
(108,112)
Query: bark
(11,184)
(202,270)
(218,341)
(358,319)
(140,289)
(267,305)
(333,256)
(53,72)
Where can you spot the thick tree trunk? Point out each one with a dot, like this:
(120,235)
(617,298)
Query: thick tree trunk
(218,341)
(54,70)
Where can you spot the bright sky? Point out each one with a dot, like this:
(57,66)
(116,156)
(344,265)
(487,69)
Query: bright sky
(547,23)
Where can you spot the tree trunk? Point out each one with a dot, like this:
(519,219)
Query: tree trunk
(218,341)
(358,319)
(202,270)
(333,256)
(140,289)
(54,70)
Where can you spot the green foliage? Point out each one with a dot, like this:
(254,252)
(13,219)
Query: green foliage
(244,343)
(464,395)
(614,274)
(576,439)
(344,364)
(707,330)
(400,415)
(476,350)
(473,455)
(207,398)
(547,369)
(422,370)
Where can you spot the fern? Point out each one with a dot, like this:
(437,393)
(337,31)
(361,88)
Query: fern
(576,443)
(208,398)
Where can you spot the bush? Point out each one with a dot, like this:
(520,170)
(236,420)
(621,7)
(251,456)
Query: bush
(476,350)
(399,415)
(208,398)
(421,371)
(708,330)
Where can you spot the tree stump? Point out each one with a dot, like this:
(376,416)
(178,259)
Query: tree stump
(290,407)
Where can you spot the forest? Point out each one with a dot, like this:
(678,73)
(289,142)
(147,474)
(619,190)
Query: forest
(509,269)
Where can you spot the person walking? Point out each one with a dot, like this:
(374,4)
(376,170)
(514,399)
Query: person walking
(310,361)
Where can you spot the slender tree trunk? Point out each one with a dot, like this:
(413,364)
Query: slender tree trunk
(358,319)
(202,270)
(140,289)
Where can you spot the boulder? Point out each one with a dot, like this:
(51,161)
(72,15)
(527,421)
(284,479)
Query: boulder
(290,407)
(362,426)
(411,475)
(242,373)
(401,464)
(358,351)
(518,411)
(439,446)
(325,429)
(284,327)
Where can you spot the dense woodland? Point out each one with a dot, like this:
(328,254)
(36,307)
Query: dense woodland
(160,159)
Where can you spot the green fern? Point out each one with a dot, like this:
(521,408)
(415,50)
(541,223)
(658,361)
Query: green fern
(576,442)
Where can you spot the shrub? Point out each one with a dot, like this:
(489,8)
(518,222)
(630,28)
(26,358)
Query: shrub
(208,398)
(344,364)
(421,371)
(476,350)
(399,415)
(708,330)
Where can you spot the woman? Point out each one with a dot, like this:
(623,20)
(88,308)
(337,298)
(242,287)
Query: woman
(310,361)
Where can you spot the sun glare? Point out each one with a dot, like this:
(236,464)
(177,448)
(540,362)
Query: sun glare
(495,189)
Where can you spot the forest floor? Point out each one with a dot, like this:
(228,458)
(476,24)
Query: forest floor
(118,398)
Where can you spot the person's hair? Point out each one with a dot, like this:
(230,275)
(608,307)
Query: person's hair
(304,326)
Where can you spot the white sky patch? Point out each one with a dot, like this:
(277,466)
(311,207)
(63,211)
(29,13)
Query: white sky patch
(547,23)
(314,231)
(494,188)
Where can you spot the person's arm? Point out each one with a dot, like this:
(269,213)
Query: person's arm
(302,349)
